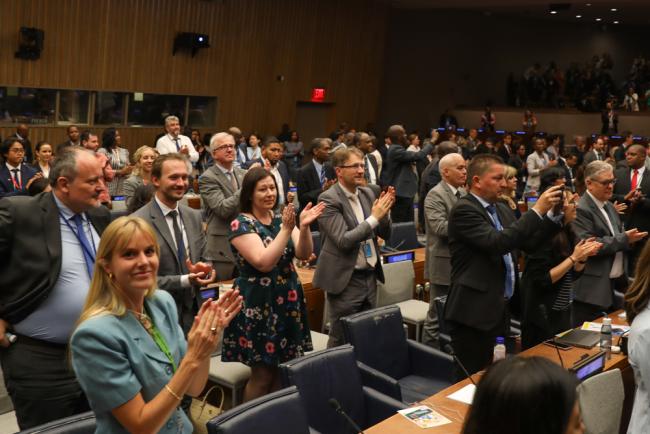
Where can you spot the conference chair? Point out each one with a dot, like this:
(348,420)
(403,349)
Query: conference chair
(83,423)
(278,412)
(402,368)
(234,375)
(601,402)
(315,239)
(332,374)
(403,237)
(397,289)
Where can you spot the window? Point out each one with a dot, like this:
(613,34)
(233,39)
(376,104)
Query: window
(109,108)
(73,107)
(203,111)
(27,105)
(151,109)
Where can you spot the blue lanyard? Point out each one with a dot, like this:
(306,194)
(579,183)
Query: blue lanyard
(92,254)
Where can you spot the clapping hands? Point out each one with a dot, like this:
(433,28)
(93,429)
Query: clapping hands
(310,214)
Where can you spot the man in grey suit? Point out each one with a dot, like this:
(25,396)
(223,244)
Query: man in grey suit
(349,263)
(597,152)
(597,217)
(437,207)
(220,186)
(180,237)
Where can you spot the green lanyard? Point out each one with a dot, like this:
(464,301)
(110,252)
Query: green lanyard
(160,341)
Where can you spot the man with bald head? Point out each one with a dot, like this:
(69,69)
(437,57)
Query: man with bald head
(220,186)
(48,243)
(437,207)
(633,187)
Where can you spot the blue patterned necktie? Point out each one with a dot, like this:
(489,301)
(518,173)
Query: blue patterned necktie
(86,248)
(322,176)
(507,258)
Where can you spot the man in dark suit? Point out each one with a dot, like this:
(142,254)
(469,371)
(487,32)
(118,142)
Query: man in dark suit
(597,152)
(15,175)
(73,138)
(567,164)
(349,263)
(605,272)
(633,187)
(619,155)
(609,119)
(363,142)
(316,176)
(272,152)
(398,172)
(220,186)
(22,134)
(180,237)
(483,235)
(48,243)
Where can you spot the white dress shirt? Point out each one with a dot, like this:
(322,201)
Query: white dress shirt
(167,145)
(185,279)
(278,180)
(18,180)
(363,262)
(371,170)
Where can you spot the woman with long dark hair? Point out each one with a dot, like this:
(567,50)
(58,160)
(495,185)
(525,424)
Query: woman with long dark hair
(118,157)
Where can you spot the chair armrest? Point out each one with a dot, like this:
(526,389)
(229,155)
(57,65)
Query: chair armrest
(429,362)
(377,380)
(379,406)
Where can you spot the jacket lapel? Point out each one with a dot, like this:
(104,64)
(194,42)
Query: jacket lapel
(159,222)
(348,214)
(52,230)
(597,212)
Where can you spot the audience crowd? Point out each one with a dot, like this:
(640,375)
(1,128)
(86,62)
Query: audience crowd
(123,300)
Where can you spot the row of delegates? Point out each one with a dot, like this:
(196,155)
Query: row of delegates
(272,327)
(128,351)
(525,395)
(16,176)
(143,158)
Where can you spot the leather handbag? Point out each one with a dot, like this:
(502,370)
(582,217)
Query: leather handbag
(201,411)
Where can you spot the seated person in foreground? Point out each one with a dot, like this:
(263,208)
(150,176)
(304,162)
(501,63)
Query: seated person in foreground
(128,352)
(525,395)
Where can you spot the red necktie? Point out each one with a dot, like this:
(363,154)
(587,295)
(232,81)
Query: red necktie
(635,177)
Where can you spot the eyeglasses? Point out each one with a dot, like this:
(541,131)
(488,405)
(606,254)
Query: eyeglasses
(17,150)
(606,182)
(224,147)
(354,166)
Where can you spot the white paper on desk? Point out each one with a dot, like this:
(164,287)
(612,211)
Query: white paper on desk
(595,327)
(464,395)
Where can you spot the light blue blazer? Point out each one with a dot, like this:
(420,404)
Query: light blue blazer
(115,358)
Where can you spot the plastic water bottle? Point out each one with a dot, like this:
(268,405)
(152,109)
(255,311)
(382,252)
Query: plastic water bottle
(499,349)
(606,337)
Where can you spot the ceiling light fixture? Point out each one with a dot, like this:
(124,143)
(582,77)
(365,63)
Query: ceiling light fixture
(615,22)
(613,9)
(598,19)
(588,4)
(553,12)
(578,16)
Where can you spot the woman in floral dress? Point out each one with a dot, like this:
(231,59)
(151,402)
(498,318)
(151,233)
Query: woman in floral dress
(272,327)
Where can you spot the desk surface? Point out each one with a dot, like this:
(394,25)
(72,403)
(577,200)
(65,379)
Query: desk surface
(455,411)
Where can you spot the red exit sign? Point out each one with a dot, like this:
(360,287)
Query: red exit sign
(318,94)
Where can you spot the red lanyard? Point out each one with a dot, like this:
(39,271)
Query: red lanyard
(18,185)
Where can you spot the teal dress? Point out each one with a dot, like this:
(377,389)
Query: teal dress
(272,325)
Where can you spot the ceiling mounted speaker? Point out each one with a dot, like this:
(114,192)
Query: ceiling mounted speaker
(31,43)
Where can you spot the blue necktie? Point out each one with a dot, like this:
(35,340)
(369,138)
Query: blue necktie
(322,176)
(86,248)
(507,258)
(178,147)
(178,234)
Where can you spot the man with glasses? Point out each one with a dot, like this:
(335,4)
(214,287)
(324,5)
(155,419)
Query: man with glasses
(220,186)
(349,265)
(174,141)
(597,217)
(15,175)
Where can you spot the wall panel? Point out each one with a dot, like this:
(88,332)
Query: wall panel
(126,45)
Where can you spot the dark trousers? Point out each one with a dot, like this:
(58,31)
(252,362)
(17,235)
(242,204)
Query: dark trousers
(431,327)
(586,312)
(402,210)
(473,347)
(359,295)
(557,322)
(41,382)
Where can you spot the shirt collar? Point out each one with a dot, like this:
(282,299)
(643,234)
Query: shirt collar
(172,138)
(451,187)
(599,204)
(66,212)
(223,169)
(10,167)
(348,193)
(273,166)
(317,165)
(483,202)
(640,169)
(164,208)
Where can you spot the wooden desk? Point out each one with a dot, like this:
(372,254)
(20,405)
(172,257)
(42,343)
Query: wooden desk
(455,411)
(316,297)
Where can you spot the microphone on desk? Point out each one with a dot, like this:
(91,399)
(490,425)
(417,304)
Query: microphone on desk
(337,407)
(452,353)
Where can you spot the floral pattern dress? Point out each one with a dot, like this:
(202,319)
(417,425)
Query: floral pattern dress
(272,325)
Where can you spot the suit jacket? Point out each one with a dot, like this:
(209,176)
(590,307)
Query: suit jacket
(342,235)
(568,173)
(221,203)
(398,171)
(591,156)
(595,287)
(115,358)
(6,184)
(309,187)
(437,207)
(638,216)
(604,118)
(478,271)
(284,173)
(170,269)
(30,243)
(375,166)
(61,146)
(27,144)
